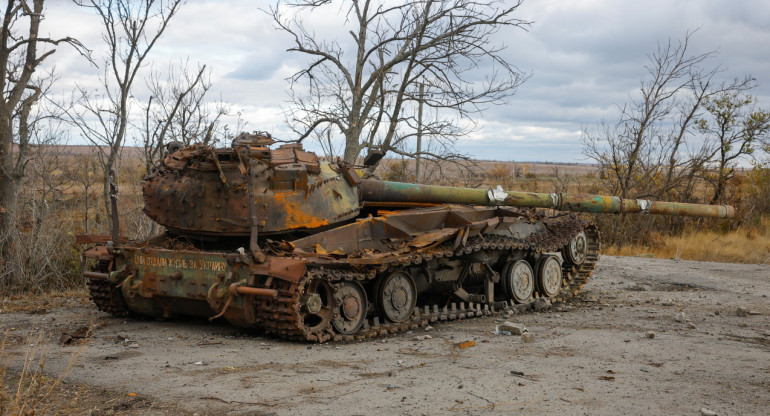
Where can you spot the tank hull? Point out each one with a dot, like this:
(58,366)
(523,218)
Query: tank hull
(374,276)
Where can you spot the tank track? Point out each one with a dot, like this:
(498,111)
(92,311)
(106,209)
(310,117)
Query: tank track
(282,316)
(105,296)
(579,274)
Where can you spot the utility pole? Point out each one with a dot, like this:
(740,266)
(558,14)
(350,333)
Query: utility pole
(419,136)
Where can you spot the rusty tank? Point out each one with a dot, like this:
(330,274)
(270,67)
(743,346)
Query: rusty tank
(278,239)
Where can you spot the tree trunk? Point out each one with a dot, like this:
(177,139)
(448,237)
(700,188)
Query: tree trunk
(9,185)
(719,188)
(352,146)
(8,188)
(8,201)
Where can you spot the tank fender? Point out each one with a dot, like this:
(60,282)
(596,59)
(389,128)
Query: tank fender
(99,252)
(290,269)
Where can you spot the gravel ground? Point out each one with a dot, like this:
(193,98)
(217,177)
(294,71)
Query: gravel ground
(645,336)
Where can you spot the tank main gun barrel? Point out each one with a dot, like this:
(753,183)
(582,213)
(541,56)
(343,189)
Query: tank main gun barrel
(372,190)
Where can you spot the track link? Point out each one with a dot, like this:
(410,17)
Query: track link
(104,295)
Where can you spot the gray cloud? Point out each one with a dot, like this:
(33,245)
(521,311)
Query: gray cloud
(586,58)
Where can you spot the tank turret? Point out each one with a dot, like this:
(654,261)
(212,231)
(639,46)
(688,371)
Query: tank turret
(199,190)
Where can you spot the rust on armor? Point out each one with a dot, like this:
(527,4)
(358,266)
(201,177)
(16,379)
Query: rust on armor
(306,249)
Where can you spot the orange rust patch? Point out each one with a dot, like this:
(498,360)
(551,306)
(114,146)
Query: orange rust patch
(466,344)
(295,217)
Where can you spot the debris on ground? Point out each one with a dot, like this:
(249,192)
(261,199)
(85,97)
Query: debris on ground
(541,304)
(67,337)
(466,344)
(512,328)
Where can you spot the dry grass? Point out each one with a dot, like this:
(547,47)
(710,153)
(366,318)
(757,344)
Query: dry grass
(745,245)
(41,302)
(30,388)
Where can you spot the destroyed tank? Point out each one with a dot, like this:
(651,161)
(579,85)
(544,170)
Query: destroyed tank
(306,249)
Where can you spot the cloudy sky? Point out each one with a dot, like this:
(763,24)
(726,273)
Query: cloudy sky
(585,58)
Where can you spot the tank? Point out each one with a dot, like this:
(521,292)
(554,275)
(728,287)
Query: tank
(305,249)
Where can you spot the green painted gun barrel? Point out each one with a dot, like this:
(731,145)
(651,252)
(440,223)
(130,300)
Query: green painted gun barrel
(399,192)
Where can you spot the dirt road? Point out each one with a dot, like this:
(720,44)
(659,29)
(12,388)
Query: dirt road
(646,336)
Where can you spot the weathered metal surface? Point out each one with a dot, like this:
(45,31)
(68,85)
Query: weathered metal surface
(97,253)
(396,192)
(92,238)
(96,275)
(199,191)
(308,250)
(256,291)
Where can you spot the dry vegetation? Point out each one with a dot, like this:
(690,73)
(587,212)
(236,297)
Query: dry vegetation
(33,390)
(61,198)
(744,245)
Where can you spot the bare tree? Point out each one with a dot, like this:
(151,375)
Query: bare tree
(366,87)
(39,251)
(131,30)
(651,149)
(22,51)
(734,126)
(177,111)
(84,172)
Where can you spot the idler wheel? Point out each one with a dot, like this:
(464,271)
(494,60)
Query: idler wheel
(351,299)
(575,251)
(316,308)
(396,296)
(519,281)
(549,276)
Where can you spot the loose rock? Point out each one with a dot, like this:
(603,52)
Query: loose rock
(650,334)
(541,304)
(680,317)
(707,412)
(513,328)
(742,311)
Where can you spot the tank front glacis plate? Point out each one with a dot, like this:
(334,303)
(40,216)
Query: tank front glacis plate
(184,274)
(161,282)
